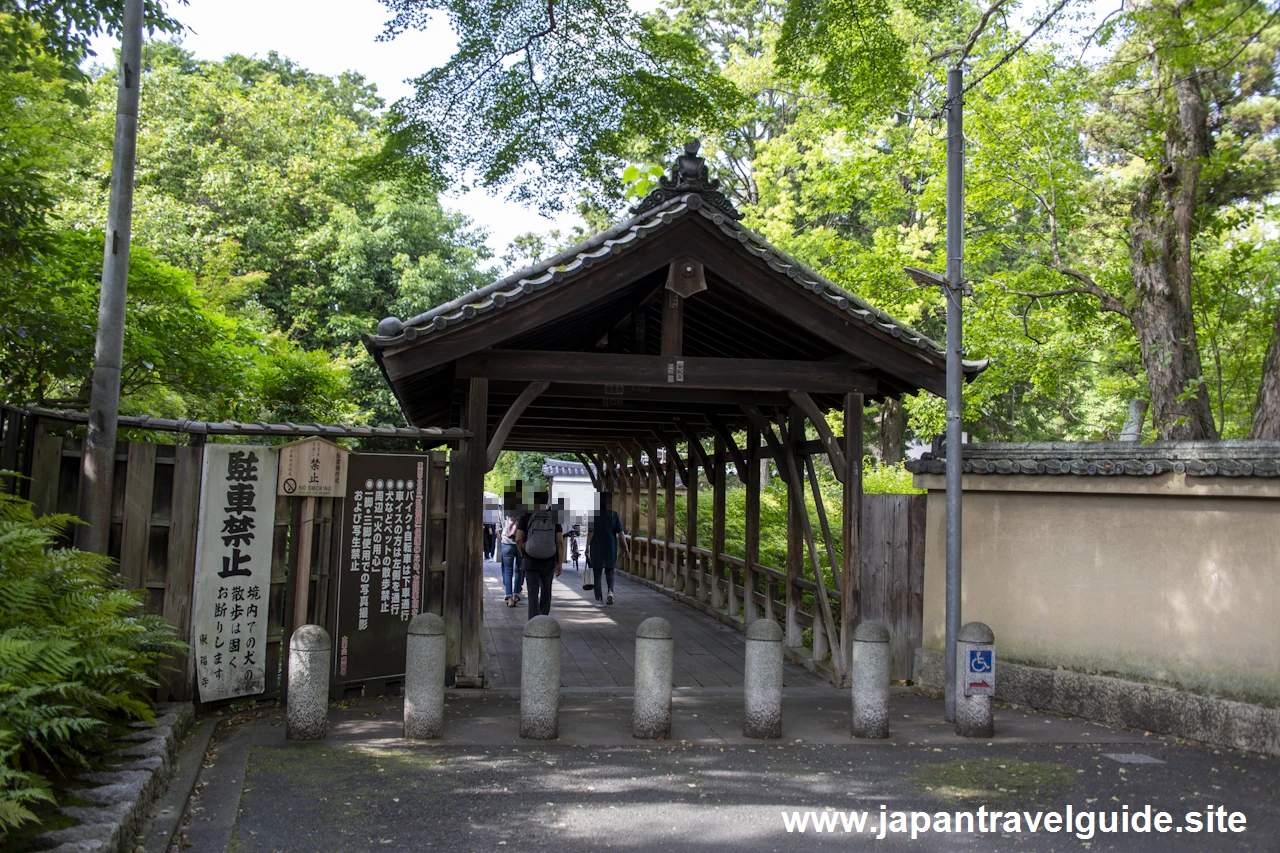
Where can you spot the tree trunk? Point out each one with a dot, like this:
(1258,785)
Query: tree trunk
(1160,235)
(1266,411)
(893,427)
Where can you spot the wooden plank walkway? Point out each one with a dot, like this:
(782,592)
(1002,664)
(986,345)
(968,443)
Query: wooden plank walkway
(599,644)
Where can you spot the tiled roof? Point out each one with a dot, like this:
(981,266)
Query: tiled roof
(1234,458)
(563,468)
(256,427)
(566,266)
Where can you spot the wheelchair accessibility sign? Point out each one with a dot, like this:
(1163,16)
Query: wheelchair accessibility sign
(980,675)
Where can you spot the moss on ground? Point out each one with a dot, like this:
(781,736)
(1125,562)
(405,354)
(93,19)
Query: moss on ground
(995,779)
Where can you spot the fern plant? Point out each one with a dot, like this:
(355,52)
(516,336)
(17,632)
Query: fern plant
(76,656)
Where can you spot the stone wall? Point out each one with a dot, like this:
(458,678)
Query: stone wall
(1145,563)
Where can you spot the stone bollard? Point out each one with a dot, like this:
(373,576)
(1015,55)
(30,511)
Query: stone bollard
(655,667)
(307,705)
(871,680)
(540,679)
(975,680)
(762,681)
(424,678)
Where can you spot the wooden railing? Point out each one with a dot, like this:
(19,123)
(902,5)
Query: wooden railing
(723,586)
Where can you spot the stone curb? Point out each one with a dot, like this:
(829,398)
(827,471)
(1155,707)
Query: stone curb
(124,794)
(1117,702)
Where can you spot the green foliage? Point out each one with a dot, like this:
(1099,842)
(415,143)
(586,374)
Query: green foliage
(75,655)
(887,479)
(522,465)
(66,27)
(539,92)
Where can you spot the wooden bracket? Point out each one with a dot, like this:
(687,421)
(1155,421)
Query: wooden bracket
(681,468)
(722,433)
(592,473)
(527,396)
(696,450)
(686,276)
(835,455)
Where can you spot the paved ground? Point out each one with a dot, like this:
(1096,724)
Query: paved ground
(708,788)
(599,641)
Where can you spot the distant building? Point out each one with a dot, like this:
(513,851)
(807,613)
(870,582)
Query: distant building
(570,488)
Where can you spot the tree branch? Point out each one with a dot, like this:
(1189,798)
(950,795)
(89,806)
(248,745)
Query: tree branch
(963,49)
(1087,286)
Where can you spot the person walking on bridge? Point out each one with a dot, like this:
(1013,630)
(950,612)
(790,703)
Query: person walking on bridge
(540,538)
(604,542)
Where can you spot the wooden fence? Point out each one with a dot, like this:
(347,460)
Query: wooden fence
(892,582)
(155,510)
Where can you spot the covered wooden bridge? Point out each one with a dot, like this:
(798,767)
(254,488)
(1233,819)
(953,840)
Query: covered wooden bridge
(644,350)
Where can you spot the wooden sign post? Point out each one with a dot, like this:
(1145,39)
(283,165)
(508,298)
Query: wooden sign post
(309,469)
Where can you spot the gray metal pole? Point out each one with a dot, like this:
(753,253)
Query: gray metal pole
(108,352)
(955,381)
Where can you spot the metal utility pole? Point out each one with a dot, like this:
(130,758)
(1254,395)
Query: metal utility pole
(955,377)
(954,289)
(108,352)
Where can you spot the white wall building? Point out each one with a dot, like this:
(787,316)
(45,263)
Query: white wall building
(570,488)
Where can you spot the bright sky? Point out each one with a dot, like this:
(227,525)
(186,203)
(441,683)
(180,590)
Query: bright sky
(332,36)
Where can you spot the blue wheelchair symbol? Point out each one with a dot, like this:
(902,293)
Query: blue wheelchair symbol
(980,661)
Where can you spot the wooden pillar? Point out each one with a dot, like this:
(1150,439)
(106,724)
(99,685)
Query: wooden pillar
(464,576)
(851,534)
(633,562)
(669,524)
(795,544)
(717,525)
(672,323)
(651,552)
(691,525)
(751,526)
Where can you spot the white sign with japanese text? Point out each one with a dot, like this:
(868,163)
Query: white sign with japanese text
(233,569)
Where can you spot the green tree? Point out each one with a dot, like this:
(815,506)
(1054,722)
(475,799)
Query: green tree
(544,92)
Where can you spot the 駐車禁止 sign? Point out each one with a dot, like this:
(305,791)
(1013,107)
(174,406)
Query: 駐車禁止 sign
(233,569)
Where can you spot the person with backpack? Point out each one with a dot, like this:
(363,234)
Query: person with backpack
(604,542)
(540,539)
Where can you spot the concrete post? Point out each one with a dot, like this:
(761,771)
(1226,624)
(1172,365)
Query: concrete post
(975,685)
(762,681)
(424,678)
(655,667)
(540,679)
(307,705)
(871,680)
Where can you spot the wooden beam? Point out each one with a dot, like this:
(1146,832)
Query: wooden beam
(500,433)
(727,442)
(744,374)
(560,391)
(672,323)
(834,454)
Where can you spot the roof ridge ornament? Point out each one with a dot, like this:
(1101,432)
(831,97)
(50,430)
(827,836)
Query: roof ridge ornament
(689,174)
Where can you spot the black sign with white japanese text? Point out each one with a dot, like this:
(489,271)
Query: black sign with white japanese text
(380,579)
